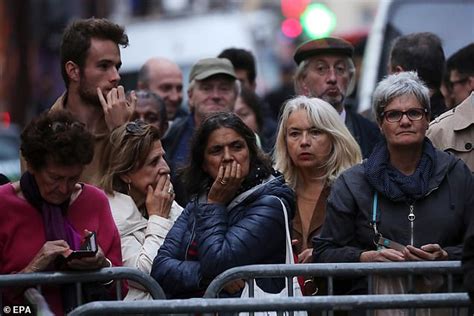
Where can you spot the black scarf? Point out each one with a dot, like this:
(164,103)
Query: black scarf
(390,182)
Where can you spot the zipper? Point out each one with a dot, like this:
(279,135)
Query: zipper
(411,218)
(190,241)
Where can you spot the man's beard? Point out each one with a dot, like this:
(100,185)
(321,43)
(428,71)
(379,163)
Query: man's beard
(336,102)
(88,96)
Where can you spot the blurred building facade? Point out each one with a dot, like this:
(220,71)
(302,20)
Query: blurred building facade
(30,78)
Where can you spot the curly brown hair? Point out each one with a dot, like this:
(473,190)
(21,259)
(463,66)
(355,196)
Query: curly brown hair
(56,137)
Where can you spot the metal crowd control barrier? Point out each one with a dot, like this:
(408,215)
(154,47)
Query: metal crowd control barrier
(209,304)
(103,275)
(213,305)
(330,270)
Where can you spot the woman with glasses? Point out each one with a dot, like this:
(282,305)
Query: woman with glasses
(407,201)
(136,179)
(47,214)
(235,217)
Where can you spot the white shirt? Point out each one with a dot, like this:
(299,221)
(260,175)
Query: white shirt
(140,238)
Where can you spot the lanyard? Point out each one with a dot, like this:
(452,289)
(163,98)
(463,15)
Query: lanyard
(381,242)
(373,222)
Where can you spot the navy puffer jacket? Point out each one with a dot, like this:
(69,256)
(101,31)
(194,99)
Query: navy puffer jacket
(250,230)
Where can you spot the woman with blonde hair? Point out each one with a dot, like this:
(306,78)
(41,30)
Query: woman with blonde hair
(313,147)
(136,179)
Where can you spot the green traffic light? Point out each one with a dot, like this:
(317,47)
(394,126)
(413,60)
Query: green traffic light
(318,21)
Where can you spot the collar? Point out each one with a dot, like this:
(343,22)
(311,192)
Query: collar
(343,114)
(464,114)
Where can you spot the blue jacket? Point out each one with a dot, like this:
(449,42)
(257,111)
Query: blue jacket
(250,230)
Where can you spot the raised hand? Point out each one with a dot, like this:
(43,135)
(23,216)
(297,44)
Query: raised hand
(159,200)
(227,183)
(117,108)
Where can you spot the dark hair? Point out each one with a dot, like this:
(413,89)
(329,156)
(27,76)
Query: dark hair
(420,52)
(156,99)
(57,137)
(241,59)
(77,36)
(196,179)
(253,101)
(462,61)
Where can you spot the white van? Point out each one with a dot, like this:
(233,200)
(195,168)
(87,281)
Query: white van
(451,20)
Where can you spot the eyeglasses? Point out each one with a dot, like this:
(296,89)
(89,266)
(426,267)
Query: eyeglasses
(59,127)
(460,81)
(135,127)
(393,116)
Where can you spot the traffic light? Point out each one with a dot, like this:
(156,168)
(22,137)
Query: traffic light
(318,21)
(291,28)
(315,19)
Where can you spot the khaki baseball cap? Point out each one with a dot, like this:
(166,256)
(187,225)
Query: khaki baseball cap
(207,67)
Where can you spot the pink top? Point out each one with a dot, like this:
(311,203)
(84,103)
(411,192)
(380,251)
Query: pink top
(22,233)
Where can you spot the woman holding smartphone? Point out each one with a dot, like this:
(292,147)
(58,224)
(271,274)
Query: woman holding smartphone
(48,212)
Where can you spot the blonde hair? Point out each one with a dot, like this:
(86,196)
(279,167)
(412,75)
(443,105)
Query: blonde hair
(345,151)
(128,148)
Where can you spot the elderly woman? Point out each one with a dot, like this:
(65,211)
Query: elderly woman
(235,218)
(46,214)
(313,147)
(406,191)
(137,180)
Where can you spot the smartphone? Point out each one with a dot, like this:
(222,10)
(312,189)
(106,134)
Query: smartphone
(387,243)
(88,248)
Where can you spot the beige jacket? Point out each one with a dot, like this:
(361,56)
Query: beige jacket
(140,238)
(453,131)
(91,173)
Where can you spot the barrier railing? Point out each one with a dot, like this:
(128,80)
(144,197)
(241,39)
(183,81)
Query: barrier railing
(213,305)
(103,275)
(330,270)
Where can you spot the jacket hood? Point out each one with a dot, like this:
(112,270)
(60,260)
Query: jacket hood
(444,163)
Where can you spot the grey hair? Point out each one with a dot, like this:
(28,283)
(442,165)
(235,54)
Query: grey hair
(237,86)
(302,71)
(345,150)
(397,85)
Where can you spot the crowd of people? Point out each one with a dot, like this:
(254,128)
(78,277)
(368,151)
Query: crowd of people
(186,193)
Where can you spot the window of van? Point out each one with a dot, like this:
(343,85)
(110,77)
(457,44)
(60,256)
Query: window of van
(451,20)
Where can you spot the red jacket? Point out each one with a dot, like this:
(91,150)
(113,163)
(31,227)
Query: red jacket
(22,234)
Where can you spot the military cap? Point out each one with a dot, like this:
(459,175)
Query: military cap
(326,45)
(207,67)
